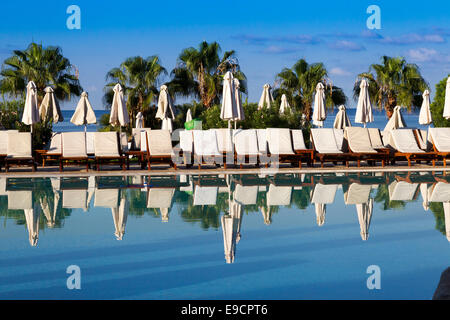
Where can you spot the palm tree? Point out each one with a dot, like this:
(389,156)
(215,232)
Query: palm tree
(139,79)
(393,82)
(299,84)
(199,72)
(45,66)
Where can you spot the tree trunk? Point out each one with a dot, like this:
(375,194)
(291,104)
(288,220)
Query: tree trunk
(391,104)
(308,111)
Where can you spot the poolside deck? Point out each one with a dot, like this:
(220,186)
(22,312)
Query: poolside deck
(163,170)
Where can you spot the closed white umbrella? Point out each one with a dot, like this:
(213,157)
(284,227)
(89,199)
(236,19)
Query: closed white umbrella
(119,113)
(188,116)
(229,110)
(165,112)
(139,120)
(396,121)
(364,211)
(284,106)
(447,100)
(425,113)
(50,107)
(266,97)
(31,111)
(237,97)
(84,113)
(364,108)
(342,121)
(319,113)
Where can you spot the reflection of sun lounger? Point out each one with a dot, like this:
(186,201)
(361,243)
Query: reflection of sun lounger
(20,200)
(246,195)
(160,197)
(205,196)
(279,196)
(75,199)
(440,192)
(324,193)
(106,198)
(357,194)
(403,191)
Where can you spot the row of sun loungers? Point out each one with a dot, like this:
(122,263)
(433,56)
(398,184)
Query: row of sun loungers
(236,147)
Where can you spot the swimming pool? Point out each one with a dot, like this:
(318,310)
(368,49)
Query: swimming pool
(285,236)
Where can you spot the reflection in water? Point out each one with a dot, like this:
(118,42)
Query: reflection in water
(218,201)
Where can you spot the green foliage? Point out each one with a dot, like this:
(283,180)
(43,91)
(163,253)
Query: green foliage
(438,211)
(437,106)
(382,196)
(11,118)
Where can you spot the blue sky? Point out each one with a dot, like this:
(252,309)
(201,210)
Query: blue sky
(267,35)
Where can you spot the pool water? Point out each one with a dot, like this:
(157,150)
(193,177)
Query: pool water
(284,236)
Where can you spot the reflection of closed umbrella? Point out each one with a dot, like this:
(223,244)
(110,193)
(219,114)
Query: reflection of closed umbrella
(396,121)
(84,113)
(231,230)
(424,194)
(119,113)
(319,113)
(50,107)
(364,211)
(267,214)
(32,219)
(446,113)
(342,121)
(139,120)
(266,97)
(165,111)
(320,213)
(446,206)
(120,218)
(425,113)
(284,106)
(30,110)
(364,108)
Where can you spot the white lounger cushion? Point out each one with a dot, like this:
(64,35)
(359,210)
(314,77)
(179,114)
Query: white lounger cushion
(357,194)
(90,144)
(20,200)
(339,136)
(19,145)
(186,141)
(160,197)
(224,140)
(440,192)
(279,141)
(324,140)
(298,140)
(74,144)
(136,137)
(205,196)
(359,140)
(246,195)
(423,139)
(106,144)
(106,198)
(246,142)
(324,193)
(4,140)
(279,196)
(404,141)
(74,199)
(205,143)
(55,144)
(159,142)
(375,138)
(262,140)
(402,191)
(441,138)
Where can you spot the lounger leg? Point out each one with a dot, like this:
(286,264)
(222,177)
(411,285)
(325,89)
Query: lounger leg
(60,165)
(409,161)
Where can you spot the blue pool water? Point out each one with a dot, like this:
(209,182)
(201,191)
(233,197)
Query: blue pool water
(179,235)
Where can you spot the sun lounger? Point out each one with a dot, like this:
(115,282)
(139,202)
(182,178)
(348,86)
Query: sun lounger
(206,149)
(19,150)
(375,138)
(300,148)
(187,146)
(54,150)
(246,195)
(90,143)
(262,140)
(159,148)
(326,147)
(205,196)
(279,196)
(107,149)
(423,140)
(341,141)
(4,144)
(359,144)
(73,148)
(225,144)
(440,138)
(403,191)
(405,144)
(279,143)
(246,146)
